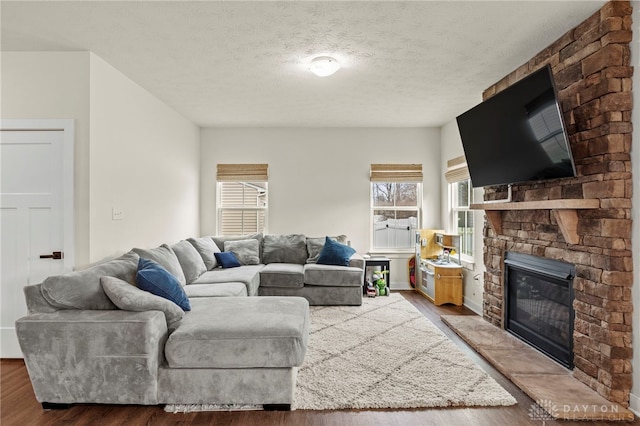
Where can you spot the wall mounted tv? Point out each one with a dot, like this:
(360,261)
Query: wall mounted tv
(518,135)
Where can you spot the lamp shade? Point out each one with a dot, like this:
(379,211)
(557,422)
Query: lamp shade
(323,66)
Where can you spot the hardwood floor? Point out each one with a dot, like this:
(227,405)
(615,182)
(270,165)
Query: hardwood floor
(18,406)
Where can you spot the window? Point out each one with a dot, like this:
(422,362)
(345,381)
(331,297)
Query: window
(242,198)
(461,216)
(396,200)
(460,199)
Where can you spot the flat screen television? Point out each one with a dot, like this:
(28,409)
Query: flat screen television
(518,135)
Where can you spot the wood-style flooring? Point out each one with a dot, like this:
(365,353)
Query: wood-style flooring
(18,406)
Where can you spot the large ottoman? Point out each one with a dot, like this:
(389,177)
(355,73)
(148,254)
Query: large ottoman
(236,350)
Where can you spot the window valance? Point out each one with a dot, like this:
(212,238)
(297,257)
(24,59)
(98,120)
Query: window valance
(457,170)
(396,173)
(243,172)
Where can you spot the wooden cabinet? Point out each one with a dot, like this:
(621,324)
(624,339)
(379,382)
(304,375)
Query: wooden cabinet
(448,285)
(441,283)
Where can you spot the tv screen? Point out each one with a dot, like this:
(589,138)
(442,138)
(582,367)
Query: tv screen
(517,135)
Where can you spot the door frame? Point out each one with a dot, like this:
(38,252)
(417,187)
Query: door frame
(67,126)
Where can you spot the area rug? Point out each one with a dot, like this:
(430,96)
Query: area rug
(386,354)
(383,354)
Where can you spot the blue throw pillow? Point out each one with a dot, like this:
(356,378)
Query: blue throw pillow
(227,259)
(155,279)
(334,253)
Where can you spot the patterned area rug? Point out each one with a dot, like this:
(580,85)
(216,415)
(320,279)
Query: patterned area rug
(386,354)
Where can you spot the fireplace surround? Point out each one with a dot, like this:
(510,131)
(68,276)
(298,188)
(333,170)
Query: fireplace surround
(593,75)
(539,304)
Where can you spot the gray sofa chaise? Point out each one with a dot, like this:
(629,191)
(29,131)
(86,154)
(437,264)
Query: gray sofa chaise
(92,336)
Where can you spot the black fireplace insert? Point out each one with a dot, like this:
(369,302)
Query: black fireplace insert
(539,304)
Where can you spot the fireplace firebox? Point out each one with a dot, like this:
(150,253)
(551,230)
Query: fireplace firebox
(539,304)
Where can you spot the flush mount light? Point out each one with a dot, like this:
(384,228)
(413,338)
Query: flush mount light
(323,66)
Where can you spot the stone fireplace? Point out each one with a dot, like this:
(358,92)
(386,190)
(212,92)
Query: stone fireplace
(592,71)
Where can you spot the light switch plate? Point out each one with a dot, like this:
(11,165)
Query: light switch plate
(117,213)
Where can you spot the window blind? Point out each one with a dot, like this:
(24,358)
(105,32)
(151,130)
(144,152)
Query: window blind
(243,172)
(396,173)
(457,170)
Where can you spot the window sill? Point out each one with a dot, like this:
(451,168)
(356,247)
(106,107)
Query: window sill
(468,263)
(379,252)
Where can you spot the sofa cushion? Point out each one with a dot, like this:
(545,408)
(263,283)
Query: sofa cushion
(249,275)
(290,248)
(206,247)
(152,277)
(128,297)
(82,289)
(247,251)
(265,332)
(190,260)
(221,239)
(227,259)
(232,289)
(357,261)
(315,246)
(282,275)
(165,257)
(331,275)
(334,253)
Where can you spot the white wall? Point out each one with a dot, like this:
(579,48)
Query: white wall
(144,161)
(319,177)
(473,288)
(55,85)
(131,150)
(635,236)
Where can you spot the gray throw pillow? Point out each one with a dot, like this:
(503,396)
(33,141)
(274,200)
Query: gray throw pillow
(190,260)
(130,298)
(206,247)
(290,248)
(164,256)
(315,246)
(246,251)
(221,239)
(82,289)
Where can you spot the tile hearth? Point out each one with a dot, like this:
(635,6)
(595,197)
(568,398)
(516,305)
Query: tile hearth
(538,376)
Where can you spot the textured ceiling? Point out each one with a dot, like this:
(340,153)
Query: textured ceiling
(245,63)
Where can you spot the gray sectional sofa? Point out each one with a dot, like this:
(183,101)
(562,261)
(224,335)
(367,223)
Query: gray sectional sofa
(282,265)
(92,336)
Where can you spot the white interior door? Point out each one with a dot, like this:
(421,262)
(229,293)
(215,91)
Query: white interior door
(32,216)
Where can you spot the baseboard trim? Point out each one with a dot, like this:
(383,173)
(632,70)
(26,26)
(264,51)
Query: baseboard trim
(400,286)
(634,404)
(10,347)
(473,306)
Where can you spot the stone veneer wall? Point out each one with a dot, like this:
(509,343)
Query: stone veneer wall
(592,71)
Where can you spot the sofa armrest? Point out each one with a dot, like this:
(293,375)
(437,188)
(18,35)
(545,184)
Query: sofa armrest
(36,301)
(85,356)
(356,261)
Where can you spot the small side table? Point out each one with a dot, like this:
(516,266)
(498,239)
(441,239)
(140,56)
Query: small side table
(372,262)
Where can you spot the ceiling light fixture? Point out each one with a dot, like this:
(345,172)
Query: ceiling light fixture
(323,66)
